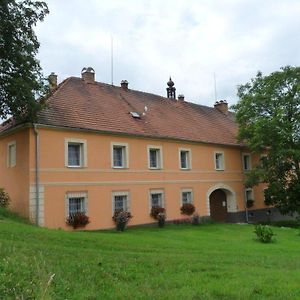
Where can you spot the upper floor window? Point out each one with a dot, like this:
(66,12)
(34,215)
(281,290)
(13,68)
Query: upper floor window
(186,196)
(185,159)
(11,154)
(119,155)
(120,201)
(76,202)
(75,153)
(154,157)
(246,161)
(156,198)
(219,161)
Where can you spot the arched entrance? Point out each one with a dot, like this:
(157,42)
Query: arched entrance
(221,202)
(218,206)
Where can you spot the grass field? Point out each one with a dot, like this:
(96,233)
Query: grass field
(213,261)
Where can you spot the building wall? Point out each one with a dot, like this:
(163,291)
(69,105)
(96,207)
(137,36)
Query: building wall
(15,179)
(99,179)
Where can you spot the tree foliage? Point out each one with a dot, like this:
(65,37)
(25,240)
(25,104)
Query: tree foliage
(21,80)
(268,114)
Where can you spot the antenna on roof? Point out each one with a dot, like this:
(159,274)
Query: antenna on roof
(215,84)
(112,59)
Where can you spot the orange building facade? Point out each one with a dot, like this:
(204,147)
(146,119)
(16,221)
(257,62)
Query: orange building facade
(51,171)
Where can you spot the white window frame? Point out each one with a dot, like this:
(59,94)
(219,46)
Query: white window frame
(83,152)
(189,158)
(156,191)
(186,191)
(125,163)
(120,193)
(243,161)
(76,194)
(246,193)
(222,168)
(159,157)
(12,159)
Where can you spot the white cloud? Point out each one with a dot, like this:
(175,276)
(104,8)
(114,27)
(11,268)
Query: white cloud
(189,40)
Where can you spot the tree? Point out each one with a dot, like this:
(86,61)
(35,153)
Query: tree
(268,114)
(21,80)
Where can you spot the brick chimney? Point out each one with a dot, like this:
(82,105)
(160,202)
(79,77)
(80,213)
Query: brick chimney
(52,79)
(88,75)
(222,106)
(124,85)
(181,97)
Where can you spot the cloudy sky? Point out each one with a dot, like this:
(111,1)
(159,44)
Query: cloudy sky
(191,40)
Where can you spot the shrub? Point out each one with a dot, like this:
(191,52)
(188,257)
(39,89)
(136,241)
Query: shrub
(77,220)
(195,220)
(187,209)
(161,218)
(155,210)
(4,198)
(121,219)
(264,233)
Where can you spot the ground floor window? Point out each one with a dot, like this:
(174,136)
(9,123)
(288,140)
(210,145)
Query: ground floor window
(120,201)
(156,198)
(76,202)
(186,196)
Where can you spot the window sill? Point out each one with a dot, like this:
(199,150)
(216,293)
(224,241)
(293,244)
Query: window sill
(153,169)
(120,168)
(219,170)
(76,167)
(185,169)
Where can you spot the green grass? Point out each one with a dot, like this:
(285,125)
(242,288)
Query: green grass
(213,261)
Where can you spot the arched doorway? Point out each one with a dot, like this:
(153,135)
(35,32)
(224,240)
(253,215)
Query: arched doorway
(221,202)
(218,206)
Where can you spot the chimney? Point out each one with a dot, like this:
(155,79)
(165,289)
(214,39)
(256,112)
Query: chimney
(181,97)
(124,85)
(171,90)
(88,75)
(52,79)
(222,106)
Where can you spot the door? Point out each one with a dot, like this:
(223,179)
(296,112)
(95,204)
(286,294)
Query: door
(218,206)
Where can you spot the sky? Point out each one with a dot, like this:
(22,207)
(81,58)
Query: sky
(201,44)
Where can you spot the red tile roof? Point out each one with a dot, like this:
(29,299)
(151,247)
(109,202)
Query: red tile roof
(103,107)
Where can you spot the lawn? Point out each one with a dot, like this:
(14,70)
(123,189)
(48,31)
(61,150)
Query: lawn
(212,261)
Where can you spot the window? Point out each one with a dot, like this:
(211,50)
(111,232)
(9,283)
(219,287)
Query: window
(154,157)
(120,201)
(219,161)
(185,159)
(246,161)
(249,194)
(119,155)
(76,202)
(156,198)
(75,153)
(186,196)
(11,154)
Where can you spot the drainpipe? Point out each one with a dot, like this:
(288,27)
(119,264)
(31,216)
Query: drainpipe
(37,173)
(246,211)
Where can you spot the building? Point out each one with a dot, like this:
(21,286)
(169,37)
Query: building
(98,147)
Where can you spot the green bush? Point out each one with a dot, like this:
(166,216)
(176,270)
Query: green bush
(264,233)
(4,198)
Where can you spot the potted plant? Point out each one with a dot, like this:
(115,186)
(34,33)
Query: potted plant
(78,219)
(121,219)
(187,209)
